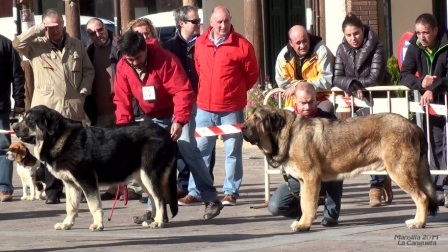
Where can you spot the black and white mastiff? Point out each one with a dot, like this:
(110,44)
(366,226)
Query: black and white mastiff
(82,157)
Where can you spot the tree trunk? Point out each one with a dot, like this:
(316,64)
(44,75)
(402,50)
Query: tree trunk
(253,28)
(127,10)
(72,19)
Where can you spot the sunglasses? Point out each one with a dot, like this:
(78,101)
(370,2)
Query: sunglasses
(94,32)
(194,21)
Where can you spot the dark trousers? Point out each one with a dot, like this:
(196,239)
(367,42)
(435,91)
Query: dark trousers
(283,203)
(377,180)
(54,186)
(437,136)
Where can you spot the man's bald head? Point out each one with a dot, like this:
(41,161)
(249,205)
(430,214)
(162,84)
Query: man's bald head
(305,87)
(296,30)
(221,21)
(299,40)
(305,97)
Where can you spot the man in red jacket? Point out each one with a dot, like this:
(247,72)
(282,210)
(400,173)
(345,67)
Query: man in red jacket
(227,69)
(154,77)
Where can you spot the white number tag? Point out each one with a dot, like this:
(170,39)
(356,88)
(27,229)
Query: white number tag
(149,93)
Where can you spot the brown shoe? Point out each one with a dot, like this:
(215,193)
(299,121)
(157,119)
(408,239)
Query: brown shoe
(188,201)
(181,193)
(5,196)
(388,194)
(375,196)
(229,200)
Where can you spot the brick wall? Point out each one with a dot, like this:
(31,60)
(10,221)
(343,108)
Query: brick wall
(367,11)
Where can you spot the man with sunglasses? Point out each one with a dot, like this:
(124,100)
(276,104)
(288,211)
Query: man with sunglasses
(63,76)
(200,183)
(187,23)
(102,49)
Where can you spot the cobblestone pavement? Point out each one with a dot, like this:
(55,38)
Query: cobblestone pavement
(28,226)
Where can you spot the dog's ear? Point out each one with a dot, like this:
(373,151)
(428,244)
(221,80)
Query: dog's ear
(20,151)
(277,119)
(48,122)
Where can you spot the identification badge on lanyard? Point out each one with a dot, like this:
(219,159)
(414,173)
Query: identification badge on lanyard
(149,93)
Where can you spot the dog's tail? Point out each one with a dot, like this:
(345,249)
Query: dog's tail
(425,178)
(172,181)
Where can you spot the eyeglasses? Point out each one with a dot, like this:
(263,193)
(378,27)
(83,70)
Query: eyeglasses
(94,32)
(194,21)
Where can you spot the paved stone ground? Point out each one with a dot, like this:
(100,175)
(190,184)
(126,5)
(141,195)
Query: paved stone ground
(28,226)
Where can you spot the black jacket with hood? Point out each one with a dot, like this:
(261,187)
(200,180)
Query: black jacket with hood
(366,64)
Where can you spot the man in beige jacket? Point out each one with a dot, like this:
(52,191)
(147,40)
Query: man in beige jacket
(63,75)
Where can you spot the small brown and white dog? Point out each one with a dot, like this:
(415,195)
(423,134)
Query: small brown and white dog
(27,166)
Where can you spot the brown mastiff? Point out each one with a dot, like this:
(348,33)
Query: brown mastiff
(319,149)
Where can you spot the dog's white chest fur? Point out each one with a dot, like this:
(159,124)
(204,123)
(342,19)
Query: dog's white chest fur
(291,171)
(26,174)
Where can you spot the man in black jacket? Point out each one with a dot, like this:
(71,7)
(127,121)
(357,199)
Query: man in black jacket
(10,73)
(427,56)
(200,183)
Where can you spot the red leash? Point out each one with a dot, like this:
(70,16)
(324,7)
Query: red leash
(117,195)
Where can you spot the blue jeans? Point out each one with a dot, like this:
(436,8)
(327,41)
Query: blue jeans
(5,164)
(283,203)
(200,183)
(233,145)
(166,124)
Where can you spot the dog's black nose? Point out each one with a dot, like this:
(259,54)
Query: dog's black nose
(243,127)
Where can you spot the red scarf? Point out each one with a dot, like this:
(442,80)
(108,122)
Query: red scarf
(313,114)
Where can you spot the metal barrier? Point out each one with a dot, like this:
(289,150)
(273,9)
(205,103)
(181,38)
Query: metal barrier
(378,105)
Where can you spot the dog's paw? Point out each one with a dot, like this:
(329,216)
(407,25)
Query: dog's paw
(24,198)
(152,224)
(62,226)
(413,224)
(96,227)
(30,198)
(296,227)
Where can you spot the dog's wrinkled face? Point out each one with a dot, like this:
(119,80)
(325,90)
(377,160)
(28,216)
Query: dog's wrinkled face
(38,122)
(16,152)
(264,124)
(254,128)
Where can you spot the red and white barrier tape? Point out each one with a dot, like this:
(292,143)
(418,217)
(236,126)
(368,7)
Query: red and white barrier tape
(433,109)
(7,132)
(218,130)
(346,101)
(200,132)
